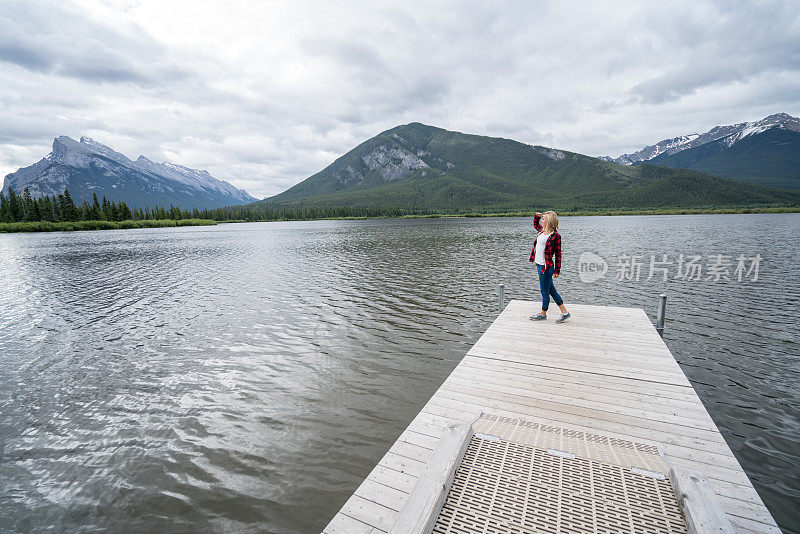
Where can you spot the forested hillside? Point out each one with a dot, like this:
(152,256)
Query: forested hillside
(422,169)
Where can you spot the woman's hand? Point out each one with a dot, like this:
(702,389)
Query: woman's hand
(538,214)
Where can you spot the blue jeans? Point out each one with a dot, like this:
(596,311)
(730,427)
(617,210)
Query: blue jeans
(547,287)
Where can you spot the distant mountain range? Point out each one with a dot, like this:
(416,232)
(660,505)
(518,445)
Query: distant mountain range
(765,152)
(415,168)
(88,167)
(420,168)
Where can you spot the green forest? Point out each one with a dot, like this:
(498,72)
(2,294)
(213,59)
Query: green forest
(24,213)
(62,208)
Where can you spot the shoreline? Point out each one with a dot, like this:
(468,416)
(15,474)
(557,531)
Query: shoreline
(613,212)
(81,226)
(600,213)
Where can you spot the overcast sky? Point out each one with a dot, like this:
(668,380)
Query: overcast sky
(265,94)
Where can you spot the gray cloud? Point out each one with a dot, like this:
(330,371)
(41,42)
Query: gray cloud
(65,40)
(266,94)
(723,44)
(24,56)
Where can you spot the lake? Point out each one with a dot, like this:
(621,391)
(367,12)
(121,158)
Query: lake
(246,377)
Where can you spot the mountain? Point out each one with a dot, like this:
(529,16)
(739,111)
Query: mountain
(423,169)
(649,152)
(88,167)
(765,152)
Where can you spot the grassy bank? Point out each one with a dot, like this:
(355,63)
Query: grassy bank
(671,211)
(682,211)
(45,226)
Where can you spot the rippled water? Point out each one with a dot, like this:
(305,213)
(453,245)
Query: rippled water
(247,377)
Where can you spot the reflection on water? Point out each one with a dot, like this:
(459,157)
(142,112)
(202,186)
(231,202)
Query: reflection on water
(247,377)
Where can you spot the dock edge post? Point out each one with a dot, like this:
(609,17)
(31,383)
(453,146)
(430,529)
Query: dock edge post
(501,298)
(421,510)
(701,509)
(662,311)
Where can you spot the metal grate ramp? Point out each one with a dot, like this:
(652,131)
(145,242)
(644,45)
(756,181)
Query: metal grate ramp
(604,449)
(531,478)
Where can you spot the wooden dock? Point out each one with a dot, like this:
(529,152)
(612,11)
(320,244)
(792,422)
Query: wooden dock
(606,371)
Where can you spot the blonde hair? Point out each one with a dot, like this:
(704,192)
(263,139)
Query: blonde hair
(550,222)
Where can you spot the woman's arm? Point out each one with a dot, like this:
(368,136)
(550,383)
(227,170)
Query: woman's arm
(536,223)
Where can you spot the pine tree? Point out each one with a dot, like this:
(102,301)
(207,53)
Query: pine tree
(57,202)
(68,210)
(46,209)
(113,214)
(14,206)
(27,213)
(36,213)
(124,212)
(5,215)
(106,210)
(97,212)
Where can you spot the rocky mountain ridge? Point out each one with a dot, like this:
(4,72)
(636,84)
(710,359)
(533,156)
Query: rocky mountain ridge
(731,134)
(87,167)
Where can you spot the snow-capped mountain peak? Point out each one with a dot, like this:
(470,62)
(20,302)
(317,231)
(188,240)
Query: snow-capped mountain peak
(192,177)
(729,134)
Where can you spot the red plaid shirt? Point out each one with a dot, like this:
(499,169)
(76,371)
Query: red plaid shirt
(552,249)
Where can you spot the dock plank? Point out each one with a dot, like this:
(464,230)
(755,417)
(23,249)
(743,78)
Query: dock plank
(344,524)
(605,371)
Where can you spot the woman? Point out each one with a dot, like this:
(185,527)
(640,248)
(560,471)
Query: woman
(546,254)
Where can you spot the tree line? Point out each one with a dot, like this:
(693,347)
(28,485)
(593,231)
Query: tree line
(256,212)
(62,208)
